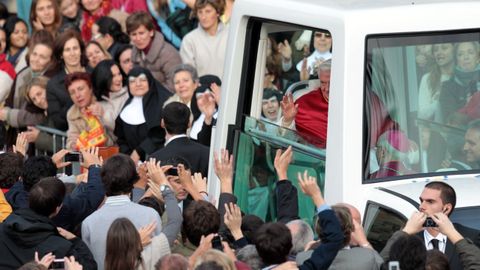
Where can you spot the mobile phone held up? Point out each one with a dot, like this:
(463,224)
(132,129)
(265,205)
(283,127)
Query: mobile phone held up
(217,243)
(58,264)
(74,158)
(429,223)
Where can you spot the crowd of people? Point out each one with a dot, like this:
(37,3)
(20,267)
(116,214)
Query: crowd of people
(159,215)
(102,71)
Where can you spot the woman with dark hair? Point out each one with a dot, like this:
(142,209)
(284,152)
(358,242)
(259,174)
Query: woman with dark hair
(138,125)
(3,14)
(125,251)
(45,14)
(7,71)
(70,53)
(123,57)
(124,247)
(85,127)
(108,32)
(109,90)
(17,41)
(151,50)
(431,83)
(271,111)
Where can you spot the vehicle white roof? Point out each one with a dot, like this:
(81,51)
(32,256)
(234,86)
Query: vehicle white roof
(465,188)
(362,4)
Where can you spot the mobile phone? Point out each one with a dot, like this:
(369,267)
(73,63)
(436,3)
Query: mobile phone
(172,171)
(72,157)
(217,243)
(393,265)
(58,264)
(429,223)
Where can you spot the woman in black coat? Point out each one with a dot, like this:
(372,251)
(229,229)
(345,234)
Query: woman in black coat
(70,53)
(137,127)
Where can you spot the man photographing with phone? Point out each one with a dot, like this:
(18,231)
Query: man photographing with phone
(433,226)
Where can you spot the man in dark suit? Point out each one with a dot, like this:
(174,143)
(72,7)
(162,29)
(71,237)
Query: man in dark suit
(436,198)
(176,121)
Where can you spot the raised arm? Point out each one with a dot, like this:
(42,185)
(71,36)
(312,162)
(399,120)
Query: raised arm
(175,219)
(287,197)
(332,236)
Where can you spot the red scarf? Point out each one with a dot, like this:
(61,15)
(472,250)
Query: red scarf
(89,19)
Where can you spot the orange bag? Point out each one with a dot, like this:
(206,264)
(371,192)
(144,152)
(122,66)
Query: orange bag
(94,136)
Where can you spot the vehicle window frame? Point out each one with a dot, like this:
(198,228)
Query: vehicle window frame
(410,39)
(380,206)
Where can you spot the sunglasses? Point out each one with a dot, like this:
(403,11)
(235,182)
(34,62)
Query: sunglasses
(323,34)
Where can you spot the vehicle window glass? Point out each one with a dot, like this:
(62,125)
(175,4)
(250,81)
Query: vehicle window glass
(297,64)
(255,177)
(421,104)
(468,216)
(380,224)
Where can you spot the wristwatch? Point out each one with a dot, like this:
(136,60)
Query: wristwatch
(164,188)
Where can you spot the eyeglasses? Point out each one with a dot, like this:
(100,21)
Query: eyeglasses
(323,35)
(140,78)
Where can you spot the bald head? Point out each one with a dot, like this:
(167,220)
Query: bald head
(356,217)
(353,211)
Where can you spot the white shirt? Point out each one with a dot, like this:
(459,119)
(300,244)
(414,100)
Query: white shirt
(442,240)
(175,137)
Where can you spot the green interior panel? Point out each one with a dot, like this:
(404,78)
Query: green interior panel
(255,176)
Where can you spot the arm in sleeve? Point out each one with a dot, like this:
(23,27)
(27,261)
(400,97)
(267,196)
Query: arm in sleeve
(205,134)
(21,118)
(287,201)
(426,104)
(174,215)
(332,242)
(469,254)
(76,208)
(385,253)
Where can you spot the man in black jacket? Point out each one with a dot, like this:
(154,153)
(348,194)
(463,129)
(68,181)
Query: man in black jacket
(176,121)
(437,197)
(31,230)
(76,206)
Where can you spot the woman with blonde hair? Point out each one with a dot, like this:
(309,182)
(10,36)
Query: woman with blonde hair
(214,258)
